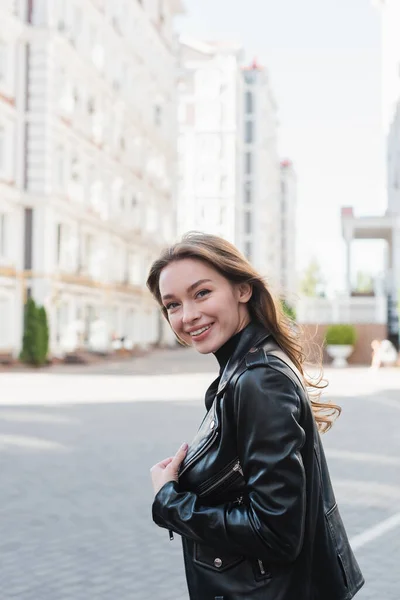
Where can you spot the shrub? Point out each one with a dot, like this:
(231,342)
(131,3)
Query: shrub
(288,310)
(341,335)
(43,340)
(35,342)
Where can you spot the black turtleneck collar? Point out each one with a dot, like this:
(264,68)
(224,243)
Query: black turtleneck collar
(224,353)
(243,339)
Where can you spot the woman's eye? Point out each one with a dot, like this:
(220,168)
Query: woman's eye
(202,293)
(171,305)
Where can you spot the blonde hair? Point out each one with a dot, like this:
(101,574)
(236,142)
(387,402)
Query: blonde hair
(225,258)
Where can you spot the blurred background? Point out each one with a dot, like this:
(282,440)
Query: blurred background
(124,124)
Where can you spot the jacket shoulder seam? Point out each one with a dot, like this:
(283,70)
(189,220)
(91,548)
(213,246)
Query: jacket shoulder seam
(273,368)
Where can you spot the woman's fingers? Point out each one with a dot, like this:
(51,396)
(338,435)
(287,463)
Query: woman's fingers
(179,456)
(163,464)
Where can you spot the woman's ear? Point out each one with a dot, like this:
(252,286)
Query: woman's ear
(245,292)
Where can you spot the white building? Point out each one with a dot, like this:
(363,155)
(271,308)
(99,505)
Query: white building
(12,50)
(390,19)
(229,174)
(258,228)
(210,140)
(87,159)
(387,226)
(288,207)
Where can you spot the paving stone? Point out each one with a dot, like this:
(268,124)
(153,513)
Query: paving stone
(75,514)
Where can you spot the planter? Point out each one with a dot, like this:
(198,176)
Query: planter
(340,353)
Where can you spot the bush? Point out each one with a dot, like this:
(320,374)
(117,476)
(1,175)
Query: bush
(35,342)
(288,310)
(43,339)
(345,335)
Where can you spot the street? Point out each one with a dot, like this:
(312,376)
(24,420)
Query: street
(76,446)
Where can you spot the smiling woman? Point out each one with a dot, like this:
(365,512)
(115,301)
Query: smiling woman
(251,495)
(204,309)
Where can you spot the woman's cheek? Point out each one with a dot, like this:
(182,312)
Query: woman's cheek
(174,322)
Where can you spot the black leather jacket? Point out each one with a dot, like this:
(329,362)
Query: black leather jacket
(254,504)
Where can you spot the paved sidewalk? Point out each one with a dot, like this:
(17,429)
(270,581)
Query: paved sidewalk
(75,494)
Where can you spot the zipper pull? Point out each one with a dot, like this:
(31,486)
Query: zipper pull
(260,564)
(171,535)
(237,467)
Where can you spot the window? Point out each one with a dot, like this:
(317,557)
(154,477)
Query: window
(247,222)
(76,23)
(248,193)
(249,103)
(74,168)
(157,115)
(59,242)
(3,61)
(248,250)
(249,132)
(91,107)
(248,163)
(2,148)
(3,239)
(161,16)
(59,170)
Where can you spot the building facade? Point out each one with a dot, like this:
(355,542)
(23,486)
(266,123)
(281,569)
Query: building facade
(258,228)
(387,226)
(288,207)
(87,190)
(229,174)
(210,139)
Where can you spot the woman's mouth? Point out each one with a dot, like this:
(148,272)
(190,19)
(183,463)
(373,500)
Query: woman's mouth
(201,333)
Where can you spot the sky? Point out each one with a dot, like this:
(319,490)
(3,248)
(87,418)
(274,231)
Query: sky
(324,61)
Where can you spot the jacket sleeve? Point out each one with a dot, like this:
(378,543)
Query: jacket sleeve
(270,526)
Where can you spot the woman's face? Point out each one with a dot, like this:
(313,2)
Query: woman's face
(204,308)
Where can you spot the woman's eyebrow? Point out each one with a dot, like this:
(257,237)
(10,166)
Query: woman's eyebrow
(190,288)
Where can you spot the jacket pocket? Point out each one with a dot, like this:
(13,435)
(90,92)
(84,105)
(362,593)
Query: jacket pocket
(212,559)
(338,535)
(221,480)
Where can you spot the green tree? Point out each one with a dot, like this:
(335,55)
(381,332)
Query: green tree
(313,281)
(29,353)
(288,310)
(35,341)
(43,334)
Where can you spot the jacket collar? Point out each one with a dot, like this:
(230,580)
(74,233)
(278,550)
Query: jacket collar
(253,335)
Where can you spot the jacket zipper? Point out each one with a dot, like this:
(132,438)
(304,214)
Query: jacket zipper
(236,468)
(261,565)
(200,453)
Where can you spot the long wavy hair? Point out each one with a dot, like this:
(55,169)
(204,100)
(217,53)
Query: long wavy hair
(225,258)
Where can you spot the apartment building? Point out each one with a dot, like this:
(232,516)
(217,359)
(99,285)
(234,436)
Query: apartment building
(288,207)
(229,168)
(87,190)
(258,227)
(210,139)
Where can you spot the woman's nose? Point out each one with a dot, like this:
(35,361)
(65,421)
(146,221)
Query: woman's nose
(190,314)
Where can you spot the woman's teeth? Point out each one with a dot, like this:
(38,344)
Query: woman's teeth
(199,331)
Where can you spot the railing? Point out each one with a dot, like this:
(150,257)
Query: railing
(342,309)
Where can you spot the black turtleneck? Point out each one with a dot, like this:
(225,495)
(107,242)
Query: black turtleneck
(222,355)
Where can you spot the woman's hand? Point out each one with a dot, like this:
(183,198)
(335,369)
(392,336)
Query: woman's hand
(167,470)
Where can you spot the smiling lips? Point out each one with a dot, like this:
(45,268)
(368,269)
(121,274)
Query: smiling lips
(198,332)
